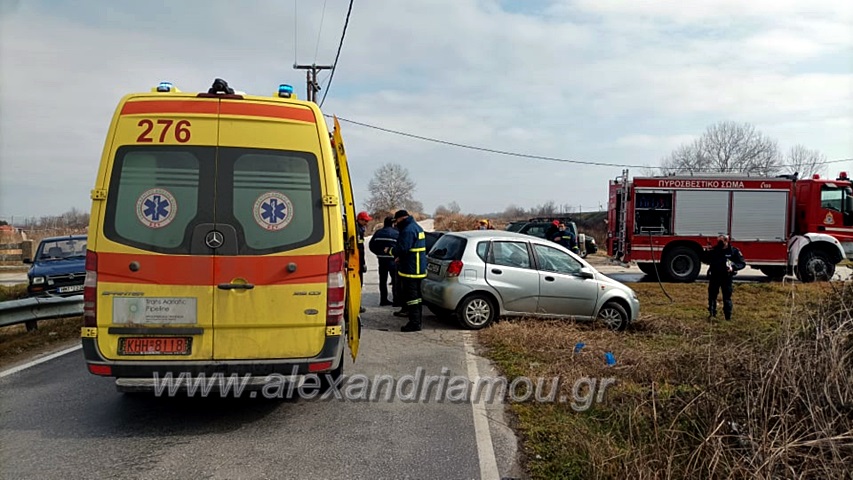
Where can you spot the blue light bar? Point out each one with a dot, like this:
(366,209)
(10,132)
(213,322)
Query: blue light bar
(285,90)
(164,87)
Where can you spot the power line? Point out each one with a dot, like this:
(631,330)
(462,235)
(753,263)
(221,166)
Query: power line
(295,30)
(536,157)
(338,55)
(320,31)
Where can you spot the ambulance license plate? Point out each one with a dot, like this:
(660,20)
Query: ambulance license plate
(434,268)
(154,345)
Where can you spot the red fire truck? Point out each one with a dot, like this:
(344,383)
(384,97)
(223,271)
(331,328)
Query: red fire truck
(782,225)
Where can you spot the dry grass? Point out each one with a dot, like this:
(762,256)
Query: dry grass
(12,292)
(768,395)
(16,342)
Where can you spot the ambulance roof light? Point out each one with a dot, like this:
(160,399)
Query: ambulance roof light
(165,87)
(842,176)
(285,90)
(816,176)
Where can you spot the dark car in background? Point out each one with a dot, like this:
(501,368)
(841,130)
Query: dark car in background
(538,227)
(58,267)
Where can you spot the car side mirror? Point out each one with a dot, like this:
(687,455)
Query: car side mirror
(586,272)
(28,260)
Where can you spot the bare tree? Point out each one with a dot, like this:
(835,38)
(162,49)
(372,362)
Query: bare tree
(726,147)
(514,212)
(805,161)
(391,189)
(454,207)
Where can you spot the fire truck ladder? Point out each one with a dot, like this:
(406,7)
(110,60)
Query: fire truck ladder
(621,249)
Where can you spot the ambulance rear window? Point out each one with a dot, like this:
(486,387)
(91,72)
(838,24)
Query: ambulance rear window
(275,202)
(154,195)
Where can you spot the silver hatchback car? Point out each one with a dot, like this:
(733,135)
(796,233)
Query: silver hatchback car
(481,275)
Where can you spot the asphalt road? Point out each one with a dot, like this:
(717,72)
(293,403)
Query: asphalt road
(59,422)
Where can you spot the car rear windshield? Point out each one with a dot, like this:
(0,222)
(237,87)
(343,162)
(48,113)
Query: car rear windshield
(168,199)
(448,247)
(515,226)
(61,249)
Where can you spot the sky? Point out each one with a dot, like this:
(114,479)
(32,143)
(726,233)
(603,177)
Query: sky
(609,81)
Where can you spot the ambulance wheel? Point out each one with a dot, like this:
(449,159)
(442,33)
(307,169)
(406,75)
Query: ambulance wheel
(681,264)
(815,265)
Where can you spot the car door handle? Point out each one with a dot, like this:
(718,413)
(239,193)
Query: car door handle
(236,286)
(496,271)
(549,279)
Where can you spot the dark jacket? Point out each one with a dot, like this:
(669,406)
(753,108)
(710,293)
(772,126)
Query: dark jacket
(384,238)
(360,239)
(410,250)
(718,259)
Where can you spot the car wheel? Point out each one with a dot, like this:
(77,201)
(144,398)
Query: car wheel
(476,311)
(682,264)
(614,316)
(815,266)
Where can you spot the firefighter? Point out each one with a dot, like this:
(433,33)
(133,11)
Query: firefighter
(379,243)
(410,255)
(724,261)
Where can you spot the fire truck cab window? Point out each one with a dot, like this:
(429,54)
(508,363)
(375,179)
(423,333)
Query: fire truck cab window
(653,213)
(832,198)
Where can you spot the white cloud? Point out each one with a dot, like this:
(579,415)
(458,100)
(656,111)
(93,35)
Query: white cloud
(610,81)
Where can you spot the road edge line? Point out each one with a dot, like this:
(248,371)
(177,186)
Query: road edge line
(38,361)
(482,432)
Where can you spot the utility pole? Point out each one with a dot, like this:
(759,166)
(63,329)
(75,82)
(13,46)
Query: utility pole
(311,78)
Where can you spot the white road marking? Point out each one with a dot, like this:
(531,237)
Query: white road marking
(39,361)
(485,448)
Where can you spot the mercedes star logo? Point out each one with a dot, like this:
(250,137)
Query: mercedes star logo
(214,239)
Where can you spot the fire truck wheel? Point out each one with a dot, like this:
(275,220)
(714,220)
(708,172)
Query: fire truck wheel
(681,264)
(815,265)
(649,269)
(775,273)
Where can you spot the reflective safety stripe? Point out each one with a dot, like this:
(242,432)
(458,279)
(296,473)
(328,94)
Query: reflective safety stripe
(421,236)
(418,250)
(409,275)
(414,302)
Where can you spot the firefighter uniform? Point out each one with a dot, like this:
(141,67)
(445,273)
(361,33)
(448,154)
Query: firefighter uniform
(724,261)
(410,255)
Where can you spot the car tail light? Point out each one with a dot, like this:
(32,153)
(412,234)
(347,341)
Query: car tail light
(319,366)
(90,290)
(336,294)
(104,370)
(455,268)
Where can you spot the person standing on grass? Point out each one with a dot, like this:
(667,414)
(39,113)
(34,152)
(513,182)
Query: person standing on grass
(724,261)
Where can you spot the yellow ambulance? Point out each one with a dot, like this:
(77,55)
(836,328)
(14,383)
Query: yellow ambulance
(222,240)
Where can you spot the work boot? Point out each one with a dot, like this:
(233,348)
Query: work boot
(414,324)
(384,303)
(401,313)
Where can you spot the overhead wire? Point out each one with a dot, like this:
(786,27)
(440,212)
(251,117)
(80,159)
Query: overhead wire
(320,31)
(295,30)
(338,54)
(533,156)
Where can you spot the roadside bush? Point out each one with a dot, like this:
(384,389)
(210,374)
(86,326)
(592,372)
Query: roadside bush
(767,396)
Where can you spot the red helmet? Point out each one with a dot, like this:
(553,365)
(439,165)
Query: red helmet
(364,216)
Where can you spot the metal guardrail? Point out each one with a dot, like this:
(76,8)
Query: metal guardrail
(30,310)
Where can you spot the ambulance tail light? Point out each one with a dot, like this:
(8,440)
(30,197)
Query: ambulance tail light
(90,290)
(455,268)
(336,290)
